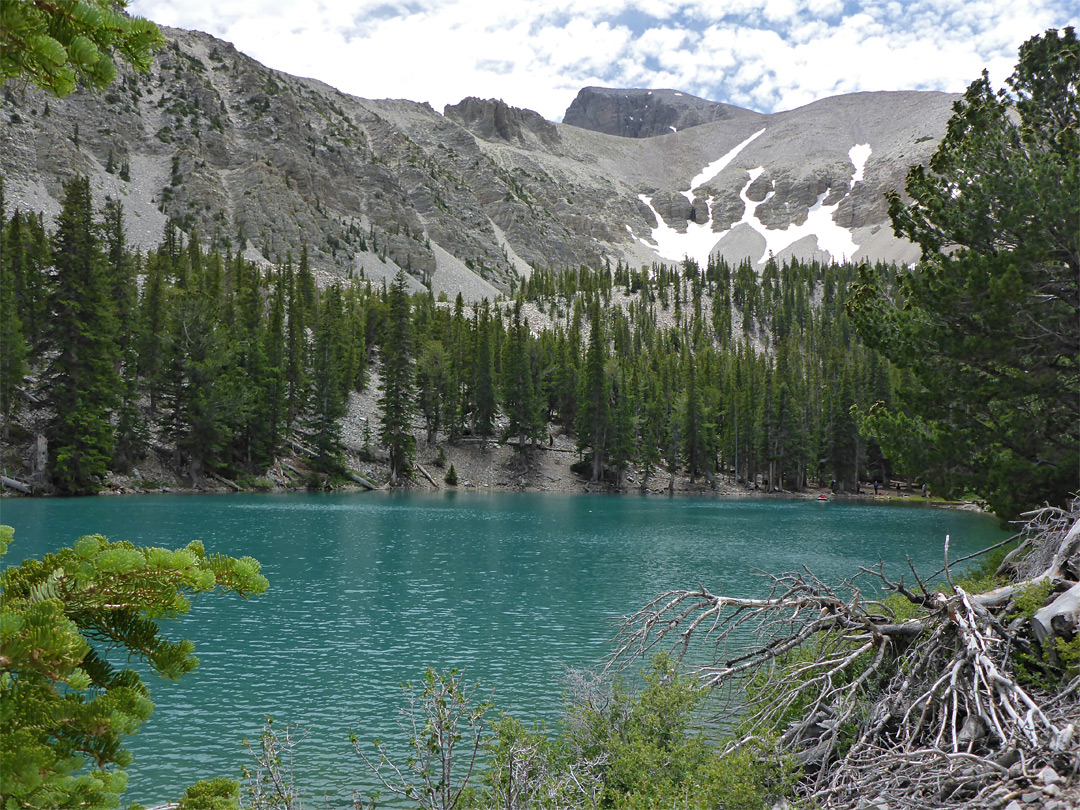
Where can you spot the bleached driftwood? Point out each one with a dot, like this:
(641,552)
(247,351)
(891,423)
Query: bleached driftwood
(923,711)
(425,473)
(355,477)
(1059,618)
(18,486)
(223,480)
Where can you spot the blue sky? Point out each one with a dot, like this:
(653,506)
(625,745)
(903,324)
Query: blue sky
(767,55)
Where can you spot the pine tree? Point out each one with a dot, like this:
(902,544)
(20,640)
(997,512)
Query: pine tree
(520,401)
(274,386)
(68,708)
(593,423)
(58,45)
(296,349)
(432,379)
(397,400)
(455,400)
(987,322)
(328,402)
(482,389)
(82,375)
(693,423)
(131,430)
(27,255)
(152,318)
(622,429)
(13,347)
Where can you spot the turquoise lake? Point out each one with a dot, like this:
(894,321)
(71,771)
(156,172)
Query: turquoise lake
(368,590)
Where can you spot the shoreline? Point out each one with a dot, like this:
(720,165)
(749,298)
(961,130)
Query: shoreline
(479,466)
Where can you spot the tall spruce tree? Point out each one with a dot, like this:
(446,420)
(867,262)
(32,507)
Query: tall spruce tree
(131,431)
(82,376)
(13,347)
(433,382)
(398,397)
(328,401)
(594,422)
(482,390)
(520,401)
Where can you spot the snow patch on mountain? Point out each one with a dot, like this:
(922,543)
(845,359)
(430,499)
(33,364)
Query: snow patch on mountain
(859,154)
(699,240)
(717,166)
(819,223)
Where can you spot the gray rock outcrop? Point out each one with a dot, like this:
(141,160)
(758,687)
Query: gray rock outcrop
(644,113)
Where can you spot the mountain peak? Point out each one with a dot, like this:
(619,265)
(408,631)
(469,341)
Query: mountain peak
(494,119)
(644,113)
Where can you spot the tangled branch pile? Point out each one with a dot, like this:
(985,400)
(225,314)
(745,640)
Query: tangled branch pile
(927,698)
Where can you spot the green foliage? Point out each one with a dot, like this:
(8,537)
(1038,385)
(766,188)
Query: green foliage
(1068,656)
(57,45)
(329,395)
(655,753)
(520,399)
(85,354)
(750,778)
(13,345)
(451,477)
(65,708)
(446,727)
(235,363)
(987,322)
(1031,597)
(397,400)
(593,424)
(211,794)
(984,576)
(1052,664)
(268,784)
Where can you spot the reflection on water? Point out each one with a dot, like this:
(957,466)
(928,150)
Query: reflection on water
(367,590)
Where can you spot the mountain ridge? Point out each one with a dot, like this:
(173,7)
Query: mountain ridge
(468,200)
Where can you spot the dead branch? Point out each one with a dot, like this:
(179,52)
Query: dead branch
(921,707)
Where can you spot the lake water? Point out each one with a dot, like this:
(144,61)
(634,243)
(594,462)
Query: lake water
(367,590)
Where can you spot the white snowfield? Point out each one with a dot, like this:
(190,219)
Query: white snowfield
(717,166)
(700,240)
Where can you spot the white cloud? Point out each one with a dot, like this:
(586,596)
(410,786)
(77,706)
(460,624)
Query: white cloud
(538,53)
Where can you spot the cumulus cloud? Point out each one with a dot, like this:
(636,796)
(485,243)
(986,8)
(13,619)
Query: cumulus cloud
(768,56)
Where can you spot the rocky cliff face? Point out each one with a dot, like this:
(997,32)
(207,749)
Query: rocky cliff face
(645,113)
(495,120)
(268,163)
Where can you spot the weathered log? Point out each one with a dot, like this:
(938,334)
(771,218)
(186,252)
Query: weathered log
(355,477)
(18,486)
(222,479)
(293,469)
(1059,618)
(425,473)
(299,448)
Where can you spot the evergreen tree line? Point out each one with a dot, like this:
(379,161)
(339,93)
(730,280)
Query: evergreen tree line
(715,371)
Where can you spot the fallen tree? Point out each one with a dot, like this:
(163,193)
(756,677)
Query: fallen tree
(904,696)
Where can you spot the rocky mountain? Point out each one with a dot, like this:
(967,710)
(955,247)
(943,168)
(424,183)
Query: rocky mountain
(474,197)
(644,113)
